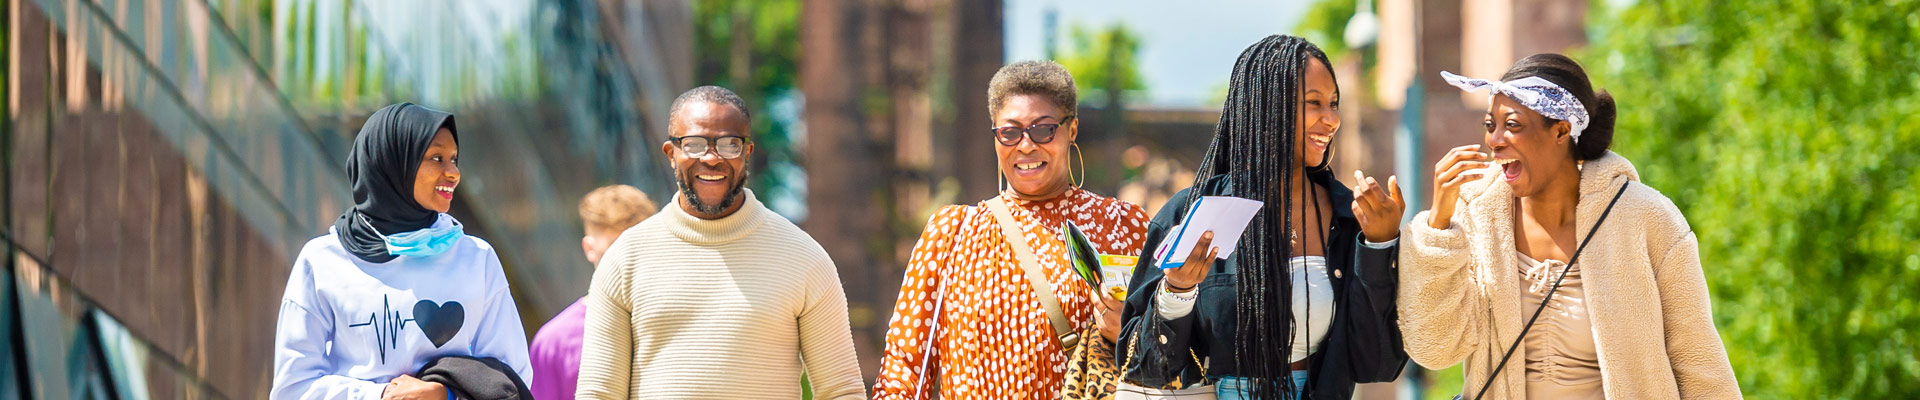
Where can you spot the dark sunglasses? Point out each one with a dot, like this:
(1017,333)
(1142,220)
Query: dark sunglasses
(1039,133)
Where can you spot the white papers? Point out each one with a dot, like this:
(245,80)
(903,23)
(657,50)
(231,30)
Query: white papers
(1226,216)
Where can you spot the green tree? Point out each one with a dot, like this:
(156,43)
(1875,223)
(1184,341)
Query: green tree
(1325,24)
(1789,134)
(1104,58)
(751,47)
(1106,71)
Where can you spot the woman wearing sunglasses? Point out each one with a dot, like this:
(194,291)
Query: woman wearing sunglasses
(971,321)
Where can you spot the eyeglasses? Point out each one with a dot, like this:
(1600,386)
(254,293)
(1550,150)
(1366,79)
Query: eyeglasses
(1039,133)
(729,147)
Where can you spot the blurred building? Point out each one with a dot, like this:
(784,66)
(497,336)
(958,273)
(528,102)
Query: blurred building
(1417,116)
(895,93)
(166,159)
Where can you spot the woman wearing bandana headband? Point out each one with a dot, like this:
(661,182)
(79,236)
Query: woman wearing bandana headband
(395,282)
(1631,318)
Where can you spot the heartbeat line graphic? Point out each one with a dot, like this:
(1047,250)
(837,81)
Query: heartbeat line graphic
(387,325)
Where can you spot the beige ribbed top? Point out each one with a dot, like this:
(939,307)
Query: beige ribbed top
(1562,362)
(685,308)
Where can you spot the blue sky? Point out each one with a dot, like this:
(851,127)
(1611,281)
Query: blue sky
(1187,48)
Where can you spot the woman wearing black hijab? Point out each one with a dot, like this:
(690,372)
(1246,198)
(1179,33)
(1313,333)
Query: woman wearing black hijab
(395,283)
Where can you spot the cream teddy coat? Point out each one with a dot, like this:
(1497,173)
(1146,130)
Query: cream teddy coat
(1460,291)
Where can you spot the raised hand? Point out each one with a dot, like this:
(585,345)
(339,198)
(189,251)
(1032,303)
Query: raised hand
(1448,175)
(1378,208)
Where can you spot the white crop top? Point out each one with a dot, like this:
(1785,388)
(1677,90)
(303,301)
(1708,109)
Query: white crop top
(1312,303)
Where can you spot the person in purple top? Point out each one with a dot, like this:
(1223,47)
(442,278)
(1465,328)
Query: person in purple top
(605,212)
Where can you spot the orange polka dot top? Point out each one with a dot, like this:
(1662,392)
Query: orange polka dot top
(967,317)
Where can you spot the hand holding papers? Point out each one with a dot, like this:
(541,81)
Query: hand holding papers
(1227,217)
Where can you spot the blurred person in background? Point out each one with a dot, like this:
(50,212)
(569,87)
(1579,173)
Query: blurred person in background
(970,320)
(395,283)
(605,213)
(1493,259)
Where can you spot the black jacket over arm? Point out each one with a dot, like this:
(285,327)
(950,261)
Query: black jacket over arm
(476,378)
(1362,345)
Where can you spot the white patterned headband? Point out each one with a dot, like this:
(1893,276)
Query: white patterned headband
(1535,93)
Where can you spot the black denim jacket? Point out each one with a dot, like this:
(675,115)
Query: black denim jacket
(1362,345)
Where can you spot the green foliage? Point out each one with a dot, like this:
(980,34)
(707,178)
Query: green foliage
(1789,134)
(1100,56)
(1325,24)
(763,67)
(1444,384)
(772,29)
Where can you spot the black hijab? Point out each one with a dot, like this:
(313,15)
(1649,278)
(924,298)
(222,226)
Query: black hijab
(385,157)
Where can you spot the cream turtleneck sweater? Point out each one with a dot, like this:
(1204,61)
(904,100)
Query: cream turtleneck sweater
(734,308)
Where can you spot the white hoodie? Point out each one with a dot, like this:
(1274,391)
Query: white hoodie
(348,326)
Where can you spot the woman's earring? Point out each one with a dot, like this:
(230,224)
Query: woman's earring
(1332,150)
(1080,155)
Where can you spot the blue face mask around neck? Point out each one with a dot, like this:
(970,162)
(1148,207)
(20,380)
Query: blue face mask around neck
(424,243)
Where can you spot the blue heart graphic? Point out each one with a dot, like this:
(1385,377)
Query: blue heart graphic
(439,322)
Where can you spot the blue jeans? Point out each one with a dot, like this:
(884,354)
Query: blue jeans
(1235,388)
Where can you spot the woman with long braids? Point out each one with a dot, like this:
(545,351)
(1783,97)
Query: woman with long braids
(1304,308)
(1499,275)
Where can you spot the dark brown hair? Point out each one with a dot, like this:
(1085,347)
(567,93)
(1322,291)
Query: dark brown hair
(1565,72)
(1033,77)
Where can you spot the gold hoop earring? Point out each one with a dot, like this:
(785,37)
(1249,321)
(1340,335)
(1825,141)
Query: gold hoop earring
(1332,150)
(1080,155)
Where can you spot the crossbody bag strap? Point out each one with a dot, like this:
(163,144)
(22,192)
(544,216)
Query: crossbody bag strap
(1042,287)
(1556,287)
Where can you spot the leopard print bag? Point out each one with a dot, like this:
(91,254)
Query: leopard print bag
(1091,374)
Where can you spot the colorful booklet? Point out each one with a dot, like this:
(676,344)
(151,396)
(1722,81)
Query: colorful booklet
(1107,274)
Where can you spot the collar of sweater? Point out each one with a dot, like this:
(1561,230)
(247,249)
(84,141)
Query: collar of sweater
(1602,176)
(714,231)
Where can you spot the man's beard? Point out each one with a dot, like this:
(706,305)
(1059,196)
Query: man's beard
(732,197)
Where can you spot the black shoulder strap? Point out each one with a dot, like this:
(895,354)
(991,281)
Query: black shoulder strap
(1549,297)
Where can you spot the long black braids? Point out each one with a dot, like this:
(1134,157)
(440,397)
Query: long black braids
(1255,142)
